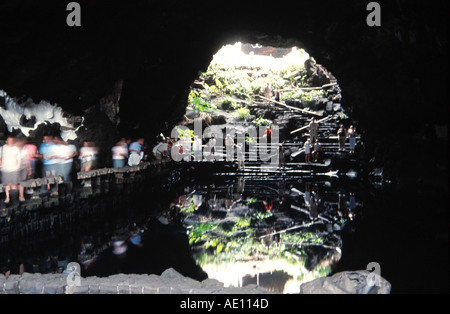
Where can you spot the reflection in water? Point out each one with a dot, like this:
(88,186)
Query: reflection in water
(276,234)
(273,235)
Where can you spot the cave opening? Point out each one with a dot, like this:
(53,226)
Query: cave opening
(241,73)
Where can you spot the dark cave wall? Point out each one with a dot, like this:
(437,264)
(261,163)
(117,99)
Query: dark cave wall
(393,77)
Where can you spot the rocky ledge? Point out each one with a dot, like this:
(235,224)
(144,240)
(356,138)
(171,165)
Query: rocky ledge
(171,282)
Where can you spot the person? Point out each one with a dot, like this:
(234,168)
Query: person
(268,134)
(160,151)
(49,163)
(342,134)
(313,207)
(24,164)
(197,146)
(136,146)
(307,195)
(267,93)
(186,142)
(135,152)
(88,156)
(351,133)
(277,94)
(229,144)
(307,147)
(120,154)
(342,205)
(212,144)
(65,153)
(10,163)
(282,156)
(155,148)
(170,144)
(313,130)
(177,151)
(32,154)
(352,202)
(135,235)
(317,148)
(240,156)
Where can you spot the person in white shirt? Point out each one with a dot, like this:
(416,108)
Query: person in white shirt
(212,144)
(88,156)
(10,163)
(229,145)
(186,142)
(197,146)
(120,154)
(161,151)
(64,153)
(307,147)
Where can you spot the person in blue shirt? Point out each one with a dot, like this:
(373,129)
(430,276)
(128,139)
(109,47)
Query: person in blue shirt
(135,148)
(49,163)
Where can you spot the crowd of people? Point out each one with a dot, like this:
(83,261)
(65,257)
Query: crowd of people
(22,159)
(312,146)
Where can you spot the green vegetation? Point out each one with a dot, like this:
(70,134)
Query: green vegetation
(261,121)
(221,244)
(229,104)
(251,200)
(263,215)
(301,238)
(308,96)
(222,79)
(186,133)
(243,112)
(225,83)
(199,232)
(198,103)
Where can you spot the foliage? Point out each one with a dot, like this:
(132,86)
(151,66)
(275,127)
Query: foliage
(198,232)
(199,104)
(263,215)
(243,112)
(242,223)
(224,79)
(300,238)
(261,121)
(186,133)
(250,139)
(342,115)
(228,104)
(251,200)
(304,95)
(189,209)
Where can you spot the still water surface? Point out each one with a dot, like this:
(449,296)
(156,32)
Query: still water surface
(276,233)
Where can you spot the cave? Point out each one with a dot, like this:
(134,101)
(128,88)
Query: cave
(144,57)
